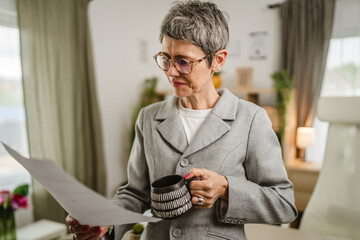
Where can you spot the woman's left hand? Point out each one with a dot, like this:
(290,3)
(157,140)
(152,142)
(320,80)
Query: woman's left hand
(210,187)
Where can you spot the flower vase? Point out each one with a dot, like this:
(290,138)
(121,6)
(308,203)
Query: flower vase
(7,224)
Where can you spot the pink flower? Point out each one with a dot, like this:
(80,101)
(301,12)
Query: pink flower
(19,201)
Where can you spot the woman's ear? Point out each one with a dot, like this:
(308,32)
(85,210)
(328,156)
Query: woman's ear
(219,60)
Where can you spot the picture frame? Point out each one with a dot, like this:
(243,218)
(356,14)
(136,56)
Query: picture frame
(258,45)
(244,77)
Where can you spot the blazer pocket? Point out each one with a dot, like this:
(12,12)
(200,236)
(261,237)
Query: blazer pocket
(212,235)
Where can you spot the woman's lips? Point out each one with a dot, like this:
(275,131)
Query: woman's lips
(178,84)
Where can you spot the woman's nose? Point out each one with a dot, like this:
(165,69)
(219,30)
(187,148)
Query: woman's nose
(173,72)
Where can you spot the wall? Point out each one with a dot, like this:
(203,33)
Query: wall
(125,37)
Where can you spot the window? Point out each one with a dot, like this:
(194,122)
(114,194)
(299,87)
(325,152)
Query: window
(12,117)
(342,75)
(12,112)
(342,78)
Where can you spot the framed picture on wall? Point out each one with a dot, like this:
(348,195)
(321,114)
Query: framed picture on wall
(244,77)
(258,45)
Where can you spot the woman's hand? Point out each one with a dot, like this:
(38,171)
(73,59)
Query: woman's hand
(210,187)
(84,232)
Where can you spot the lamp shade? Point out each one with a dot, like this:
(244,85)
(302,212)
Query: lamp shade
(305,137)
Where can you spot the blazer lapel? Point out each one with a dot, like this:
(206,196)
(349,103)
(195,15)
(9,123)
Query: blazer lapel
(171,128)
(214,127)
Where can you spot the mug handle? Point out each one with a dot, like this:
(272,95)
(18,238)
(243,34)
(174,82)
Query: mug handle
(188,181)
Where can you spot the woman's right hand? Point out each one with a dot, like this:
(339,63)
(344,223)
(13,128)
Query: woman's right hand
(82,232)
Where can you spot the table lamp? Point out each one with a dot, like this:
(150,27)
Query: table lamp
(305,137)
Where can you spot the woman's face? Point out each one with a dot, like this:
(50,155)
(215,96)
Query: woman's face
(199,80)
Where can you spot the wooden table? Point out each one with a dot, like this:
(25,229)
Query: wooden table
(304,176)
(271,232)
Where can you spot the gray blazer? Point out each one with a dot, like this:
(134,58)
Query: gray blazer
(236,141)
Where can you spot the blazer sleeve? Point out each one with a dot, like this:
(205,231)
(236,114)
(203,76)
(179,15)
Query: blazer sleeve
(134,196)
(266,196)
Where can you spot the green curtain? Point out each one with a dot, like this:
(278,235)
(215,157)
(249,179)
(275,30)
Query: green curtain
(60,98)
(306,33)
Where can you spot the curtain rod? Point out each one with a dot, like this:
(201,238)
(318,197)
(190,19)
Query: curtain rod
(276,5)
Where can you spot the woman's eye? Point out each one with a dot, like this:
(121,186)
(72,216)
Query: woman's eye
(182,62)
(165,62)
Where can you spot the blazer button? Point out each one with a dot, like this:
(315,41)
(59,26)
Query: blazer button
(184,162)
(176,232)
(228,220)
(241,221)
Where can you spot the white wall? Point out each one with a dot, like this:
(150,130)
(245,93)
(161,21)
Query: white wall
(125,37)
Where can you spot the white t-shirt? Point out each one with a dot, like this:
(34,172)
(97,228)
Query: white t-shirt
(192,119)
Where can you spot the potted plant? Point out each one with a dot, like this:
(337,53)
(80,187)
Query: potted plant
(148,96)
(283,84)
(9,203)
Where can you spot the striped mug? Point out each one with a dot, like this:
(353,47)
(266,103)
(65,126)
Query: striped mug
(170,196)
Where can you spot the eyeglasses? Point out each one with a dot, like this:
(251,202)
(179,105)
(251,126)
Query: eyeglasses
(183,66)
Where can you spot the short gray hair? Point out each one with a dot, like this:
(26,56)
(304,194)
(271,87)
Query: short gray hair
(200,23)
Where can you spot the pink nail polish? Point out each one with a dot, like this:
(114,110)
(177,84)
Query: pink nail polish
(186,175)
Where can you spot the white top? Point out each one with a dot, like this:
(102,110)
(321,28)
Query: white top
(192,119)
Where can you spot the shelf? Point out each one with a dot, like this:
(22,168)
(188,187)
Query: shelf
(253,90)
(299,165)
(252,94)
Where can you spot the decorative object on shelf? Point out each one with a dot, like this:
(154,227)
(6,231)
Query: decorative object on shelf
(305,137)
(217,79)
(244,77)
(148,96)
(283,84)
(9,203)
(252,94)
(136,232)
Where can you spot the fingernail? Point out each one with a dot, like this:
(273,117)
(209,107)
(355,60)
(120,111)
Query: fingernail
(85,228)
(97,229)
(186,175)
(74,223)
(100,230)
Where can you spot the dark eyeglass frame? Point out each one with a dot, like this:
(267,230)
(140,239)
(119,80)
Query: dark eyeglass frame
(172,61)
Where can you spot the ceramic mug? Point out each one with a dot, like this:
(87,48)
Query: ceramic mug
(170,196)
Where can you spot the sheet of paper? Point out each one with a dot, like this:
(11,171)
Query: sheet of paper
(87,206)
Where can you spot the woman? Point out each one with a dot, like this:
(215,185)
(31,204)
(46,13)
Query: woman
(226,142)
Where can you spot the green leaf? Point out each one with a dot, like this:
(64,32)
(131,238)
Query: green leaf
(283,83)
(23,190)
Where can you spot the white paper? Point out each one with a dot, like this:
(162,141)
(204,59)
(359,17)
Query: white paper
(82,203)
